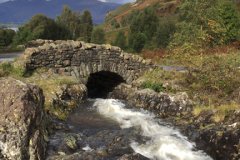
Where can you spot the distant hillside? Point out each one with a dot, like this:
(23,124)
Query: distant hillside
(167,8)
(20,11)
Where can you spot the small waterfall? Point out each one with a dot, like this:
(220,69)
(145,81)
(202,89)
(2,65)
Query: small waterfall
(165,142)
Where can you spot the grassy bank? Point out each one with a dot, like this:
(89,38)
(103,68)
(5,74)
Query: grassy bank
(14,49)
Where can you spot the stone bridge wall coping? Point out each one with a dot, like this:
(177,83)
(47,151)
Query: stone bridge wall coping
(80,59)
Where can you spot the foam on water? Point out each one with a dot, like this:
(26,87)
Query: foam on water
(166,143)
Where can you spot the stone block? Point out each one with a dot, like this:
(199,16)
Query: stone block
(68,69)
(126,56)
(129,79)
(58,41)
(100,68)
(106,46)
(61,70)
(60,62)
(54,46)
(52,70)
(149,62)
(66,62)
(78,43)
(47,46)
(31,51)
(73,45)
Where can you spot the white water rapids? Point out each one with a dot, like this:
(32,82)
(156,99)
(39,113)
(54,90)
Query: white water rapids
(166,143)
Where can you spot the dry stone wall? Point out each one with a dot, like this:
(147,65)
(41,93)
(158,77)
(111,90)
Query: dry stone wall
(75,58)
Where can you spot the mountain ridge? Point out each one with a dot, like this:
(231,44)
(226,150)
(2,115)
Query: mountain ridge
(20,11)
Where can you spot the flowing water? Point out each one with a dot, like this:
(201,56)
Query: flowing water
(149,136)
(9,56)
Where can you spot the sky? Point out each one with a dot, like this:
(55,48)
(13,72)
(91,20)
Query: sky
(113,1)
(117,1)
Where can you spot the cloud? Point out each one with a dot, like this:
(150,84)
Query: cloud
(118,1)
(113,1)
(1,1)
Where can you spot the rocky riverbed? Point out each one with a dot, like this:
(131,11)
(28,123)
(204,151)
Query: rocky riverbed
(31,129)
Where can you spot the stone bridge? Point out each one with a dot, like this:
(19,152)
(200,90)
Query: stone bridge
(76,58)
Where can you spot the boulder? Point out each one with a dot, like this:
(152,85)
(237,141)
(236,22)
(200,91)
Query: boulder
(31,51)
(133,156)
(205,118)
(23,121)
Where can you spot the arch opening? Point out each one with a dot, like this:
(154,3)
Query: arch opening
(99,84)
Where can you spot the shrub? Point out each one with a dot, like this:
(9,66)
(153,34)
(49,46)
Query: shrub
(209,76)
(120,40)
(98,36)
(116,25)
(230,16)
(113,21)
(157,87)
(139,42)
(164,32)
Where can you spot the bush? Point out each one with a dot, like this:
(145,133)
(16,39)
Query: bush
(215,76)
(139,42)
(116,25)
(113,21)
(157,87)
(98,36)
(120,40)
(164,32)
(230,16)
(145,22)
(7,69)
(167,1)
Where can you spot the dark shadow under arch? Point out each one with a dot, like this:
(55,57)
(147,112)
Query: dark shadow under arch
(99,84)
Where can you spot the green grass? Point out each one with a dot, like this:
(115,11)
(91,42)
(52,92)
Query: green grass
(7,70)
(157,87)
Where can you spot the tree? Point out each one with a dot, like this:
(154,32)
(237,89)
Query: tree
(9,36)
(55,31)
(116,25)
(123,21)
(98,36)
(71,19)
(206,17)
(120,40)
(41,27)
(164,32)
(2,42)
(87,25)
(139,42)
(113,21)
(231,22)
(145,22)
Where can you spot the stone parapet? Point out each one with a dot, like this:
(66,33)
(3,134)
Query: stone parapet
(80,59)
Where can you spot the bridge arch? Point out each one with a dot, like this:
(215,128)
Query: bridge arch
(76,58)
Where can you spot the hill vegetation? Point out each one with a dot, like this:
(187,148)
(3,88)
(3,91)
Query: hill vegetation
(202,36)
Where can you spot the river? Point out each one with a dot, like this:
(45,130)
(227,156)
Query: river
(140,129)
(9,56)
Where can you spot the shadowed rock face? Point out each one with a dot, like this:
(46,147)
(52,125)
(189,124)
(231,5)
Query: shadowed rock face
(23,133)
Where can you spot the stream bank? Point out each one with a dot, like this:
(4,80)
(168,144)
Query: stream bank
(219,140)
